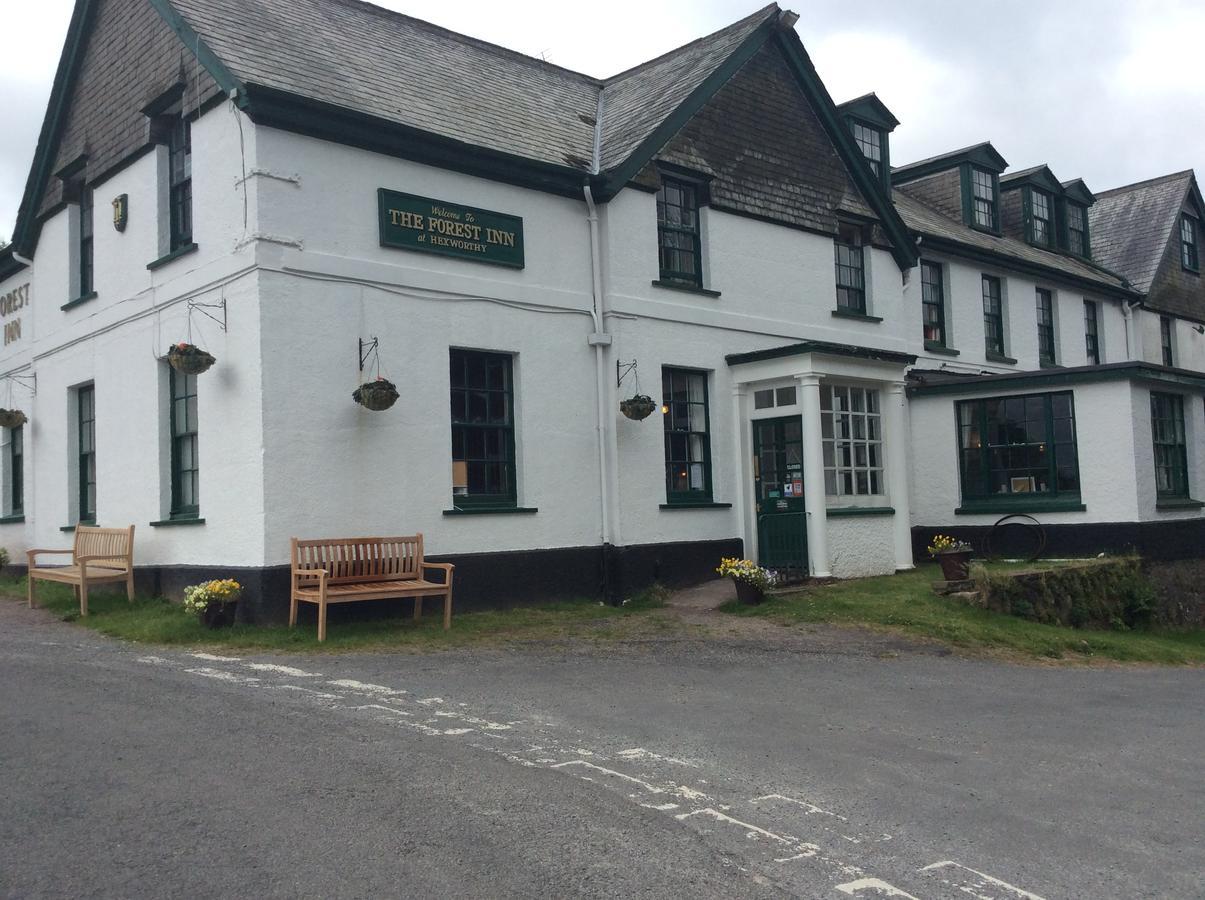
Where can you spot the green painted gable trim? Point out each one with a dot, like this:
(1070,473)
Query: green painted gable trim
(826,347)
(984,155)
(1078,191)
(192,41)
(1040,177)
(1053,378)
(873,191)
(871,110)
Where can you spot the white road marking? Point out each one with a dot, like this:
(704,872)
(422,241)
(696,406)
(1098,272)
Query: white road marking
(283,670)
(353,685)
(154,660)
(660,807)
(873,884)
(641,753)
(377,706)
(321,695)
(212,658)
(581,762)
(810,807)
(219,675)
(949,863)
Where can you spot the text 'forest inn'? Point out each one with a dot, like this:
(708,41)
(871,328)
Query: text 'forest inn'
(842,354)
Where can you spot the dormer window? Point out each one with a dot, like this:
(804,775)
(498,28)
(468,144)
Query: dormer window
(1041,218)
(1190,258)
(1077,230)
(984,207)
(870,142)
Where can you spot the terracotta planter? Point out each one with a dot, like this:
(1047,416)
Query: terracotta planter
(376,395)
(955,564)
(639,407)
(749,594)
(219,615)
(190,360)
(12,418)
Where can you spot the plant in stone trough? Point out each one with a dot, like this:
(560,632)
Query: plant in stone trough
(943,543)
(747,571)
(213,601)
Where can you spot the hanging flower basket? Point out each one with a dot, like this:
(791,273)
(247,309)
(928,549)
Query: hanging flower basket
(189,358)
(12,418)
(639,407)
(376,395)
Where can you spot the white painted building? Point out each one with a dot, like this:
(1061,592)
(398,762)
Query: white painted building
(703,229)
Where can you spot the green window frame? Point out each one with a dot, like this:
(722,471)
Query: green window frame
(851,435)
(982,199)
(687,424)
(850,263)
(85,398)
(933,302)
(484,474)
(84,251)
(870,141)
(1077,230)
(16,471)
(679,247)
(185,457)
(179,166)
(1046,341)
(1166,345)
(993,315)
(1170,445)
(1040,217)
(1091,332)
(1190,257)
(1018,448)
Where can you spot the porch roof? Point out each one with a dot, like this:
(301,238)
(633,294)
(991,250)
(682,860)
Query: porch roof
(938,382)
(825,347)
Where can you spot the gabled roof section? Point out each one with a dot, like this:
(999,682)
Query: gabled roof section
(1131,225)
(983,155)
(1036,176)
(1076,190)
(869,108)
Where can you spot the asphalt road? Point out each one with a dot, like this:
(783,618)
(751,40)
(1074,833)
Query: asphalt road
(675,768)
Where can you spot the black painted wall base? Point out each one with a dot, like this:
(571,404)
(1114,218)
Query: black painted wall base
(483,580)
(1169,540)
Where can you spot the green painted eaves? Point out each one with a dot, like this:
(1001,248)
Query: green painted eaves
(984,155)
(1123,371)
(823,347)
(192,41)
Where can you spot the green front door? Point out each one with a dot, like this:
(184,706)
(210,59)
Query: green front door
(778,492)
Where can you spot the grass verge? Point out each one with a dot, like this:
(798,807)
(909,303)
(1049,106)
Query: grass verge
(158,621)
(906,603)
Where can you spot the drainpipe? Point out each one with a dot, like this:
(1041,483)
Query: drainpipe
(22,260)
(1127,312)
(600,341)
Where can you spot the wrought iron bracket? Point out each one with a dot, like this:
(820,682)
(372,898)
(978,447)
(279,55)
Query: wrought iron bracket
(367,349)
(203,309)
(622,369)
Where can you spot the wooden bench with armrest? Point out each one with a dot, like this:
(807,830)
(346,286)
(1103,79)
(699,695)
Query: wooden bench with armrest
(344,570)
(99,556)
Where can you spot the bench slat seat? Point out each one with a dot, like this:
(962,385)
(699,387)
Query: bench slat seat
(99,556)
(344,570)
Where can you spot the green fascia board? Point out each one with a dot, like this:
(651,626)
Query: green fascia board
(874,191)
(824,347)
(8,265)
(871,110)
(616,179)
(1040,177)
(326,121)
(942,244)
(1124,371)
(217,69)
(984,155)
(1077,191)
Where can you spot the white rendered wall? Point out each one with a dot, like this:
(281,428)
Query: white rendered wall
(860,546)
(1144,451)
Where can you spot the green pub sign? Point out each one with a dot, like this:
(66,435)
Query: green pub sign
(433,226)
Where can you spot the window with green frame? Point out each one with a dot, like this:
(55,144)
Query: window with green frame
(993,316)
(851,268)
(1091,333)
(1041,217)
(1166,344)
(1189,254)
(687,436)
(1018,448)
(84,250)
(982,199)
(1077,230)
(85,398)
(1046,341)
(185,460)
(870,141)
(179,150)
(933,303)
(16,471)
(483,429)
(1171,447)
(678,241)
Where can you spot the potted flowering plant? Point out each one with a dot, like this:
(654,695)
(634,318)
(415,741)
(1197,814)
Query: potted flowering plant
(751,580)
(189,359)
(213,602)
(12,418)
(637,407)
(376,395)
(952,555)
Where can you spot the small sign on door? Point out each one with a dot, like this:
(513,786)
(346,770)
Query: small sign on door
(797,487)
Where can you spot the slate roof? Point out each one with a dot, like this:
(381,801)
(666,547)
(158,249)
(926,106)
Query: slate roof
(361,57)
(1130,226)
(926,220)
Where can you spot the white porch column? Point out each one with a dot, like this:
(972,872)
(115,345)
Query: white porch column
(743,473)
(896,439)
(813,475)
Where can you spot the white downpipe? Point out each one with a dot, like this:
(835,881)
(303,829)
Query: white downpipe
(1127,312)
(600,373)
(22,260)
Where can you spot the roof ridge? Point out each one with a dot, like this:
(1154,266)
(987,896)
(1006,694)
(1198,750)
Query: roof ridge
(1149,181)
(732,26)
(934,158)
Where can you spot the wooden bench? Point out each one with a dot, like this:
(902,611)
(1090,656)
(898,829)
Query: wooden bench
(99,555)
(344,570)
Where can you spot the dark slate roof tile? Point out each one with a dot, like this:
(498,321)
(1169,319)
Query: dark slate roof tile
(1130,226)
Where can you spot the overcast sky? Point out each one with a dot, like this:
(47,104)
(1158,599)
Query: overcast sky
(1107,90)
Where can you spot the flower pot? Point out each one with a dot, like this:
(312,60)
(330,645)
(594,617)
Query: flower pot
(639,407)
(955,565)
(219,615)
(376,395)
(12,418)
(749,594)
(189,360)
